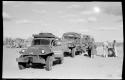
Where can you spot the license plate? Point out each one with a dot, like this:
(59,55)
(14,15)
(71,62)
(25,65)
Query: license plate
(57,52)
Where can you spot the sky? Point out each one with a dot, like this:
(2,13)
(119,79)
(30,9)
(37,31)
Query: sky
(102,20)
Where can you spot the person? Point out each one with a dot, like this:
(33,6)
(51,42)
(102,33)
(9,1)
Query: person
(94,50)
(105,48)
(114,49)
(91,50)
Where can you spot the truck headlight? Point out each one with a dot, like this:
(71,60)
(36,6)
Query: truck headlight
(42,51)
(22,51)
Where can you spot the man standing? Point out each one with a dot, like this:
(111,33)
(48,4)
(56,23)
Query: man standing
(105,49)
(91,50)
(114,48)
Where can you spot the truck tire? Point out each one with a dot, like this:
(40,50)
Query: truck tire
(49,63)
(21,66)
(73,52)
(61,60)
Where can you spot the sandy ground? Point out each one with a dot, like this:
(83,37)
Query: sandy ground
(80,67)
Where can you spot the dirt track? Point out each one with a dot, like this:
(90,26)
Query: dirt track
(80,67)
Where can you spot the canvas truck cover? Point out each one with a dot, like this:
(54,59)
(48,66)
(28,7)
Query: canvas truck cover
(72,34)
(44,35)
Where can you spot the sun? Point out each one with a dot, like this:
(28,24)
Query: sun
(96,9)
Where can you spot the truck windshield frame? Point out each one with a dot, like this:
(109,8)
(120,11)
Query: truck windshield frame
(41,42)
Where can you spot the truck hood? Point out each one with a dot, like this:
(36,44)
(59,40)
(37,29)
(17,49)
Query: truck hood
(37,50)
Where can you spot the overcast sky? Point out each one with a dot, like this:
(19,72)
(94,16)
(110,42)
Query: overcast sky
(102,20)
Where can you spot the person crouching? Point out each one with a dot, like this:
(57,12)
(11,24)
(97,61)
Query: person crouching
(112,52)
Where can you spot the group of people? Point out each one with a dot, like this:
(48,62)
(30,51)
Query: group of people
(108,50)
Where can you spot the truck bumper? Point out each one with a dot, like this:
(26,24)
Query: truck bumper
(58,55)
(33,59)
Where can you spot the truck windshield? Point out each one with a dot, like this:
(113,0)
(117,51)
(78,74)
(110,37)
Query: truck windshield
(41,42)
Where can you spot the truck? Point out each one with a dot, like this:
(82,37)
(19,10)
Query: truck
(76,43)
(71,43)
(43,50)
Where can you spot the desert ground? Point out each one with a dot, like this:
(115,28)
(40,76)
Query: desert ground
(80,67)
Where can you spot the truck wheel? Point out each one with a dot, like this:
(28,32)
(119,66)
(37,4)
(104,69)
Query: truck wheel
(21,65)
(73,52)
(61,60)
(49,63)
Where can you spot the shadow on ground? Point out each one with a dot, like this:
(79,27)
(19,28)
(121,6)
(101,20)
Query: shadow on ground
(67,54)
